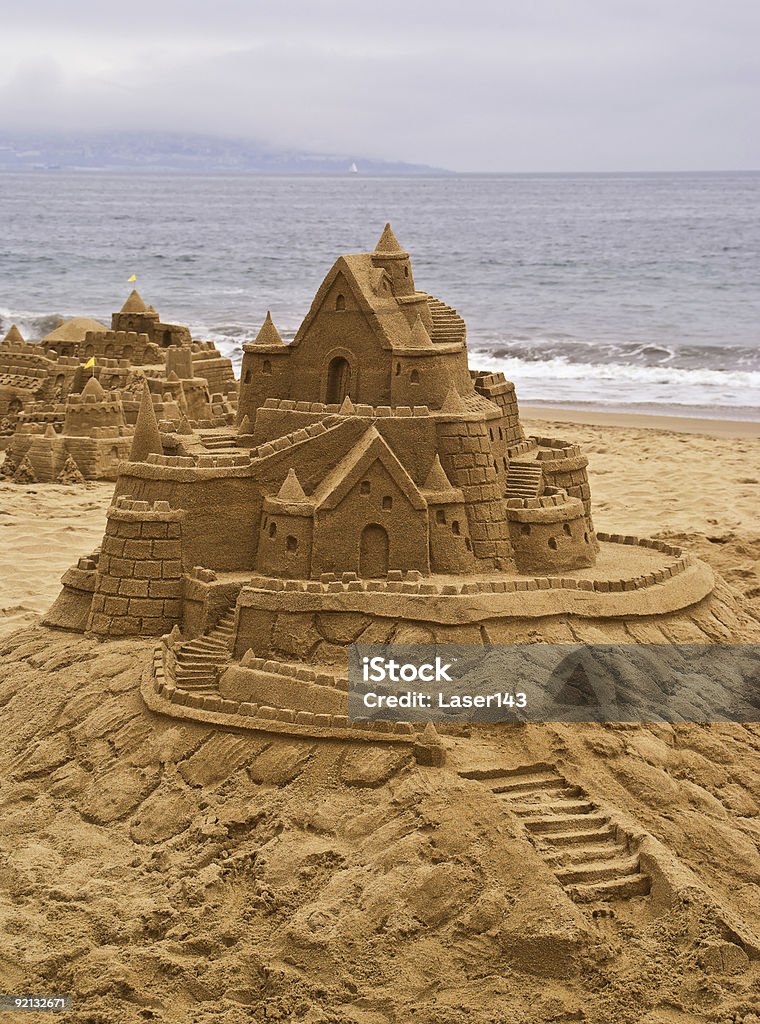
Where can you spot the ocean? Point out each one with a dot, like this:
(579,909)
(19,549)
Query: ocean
(632,292)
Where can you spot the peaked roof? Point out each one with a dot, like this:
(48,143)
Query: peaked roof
(74,329)
(388,243)
(370,448)
(93,390)
(134,303)
(291,489)
(453,403)
(268,335)
(13,337)
(436,479)
(418,337)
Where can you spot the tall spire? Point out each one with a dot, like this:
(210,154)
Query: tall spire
(291,489)
(388,241)
(134,303)
(147,439)
(268,335)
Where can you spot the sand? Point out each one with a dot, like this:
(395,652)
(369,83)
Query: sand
(162,870)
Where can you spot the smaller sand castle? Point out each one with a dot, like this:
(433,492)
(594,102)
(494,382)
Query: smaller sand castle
(58,409)
(375,490)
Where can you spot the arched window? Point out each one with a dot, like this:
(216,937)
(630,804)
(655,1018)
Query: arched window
(291,544)
(273,529)
(338,380)
(566,529)
(455,528)
(398,369)
(340,303)
(266,368)
(553,543)
(414,377)
(247,378)
(440,516)
(406,271)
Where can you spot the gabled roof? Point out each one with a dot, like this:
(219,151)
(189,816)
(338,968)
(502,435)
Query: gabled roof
(380,307)
(370,448)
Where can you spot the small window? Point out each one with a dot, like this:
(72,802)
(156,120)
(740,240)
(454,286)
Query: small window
(455,528)
(585,538)
(414,377)
(387,501)
(553,543)
(340,303)
(525,529)
(505,463)
(490,431)
(440,516)
(266,368)
(398,369)
(406,271)
(247,378)
(364,487)
(273,529)
(566,530)
(501,434)
(291,544)
(468,543)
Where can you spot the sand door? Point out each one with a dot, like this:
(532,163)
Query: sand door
(373,552)
(338,380)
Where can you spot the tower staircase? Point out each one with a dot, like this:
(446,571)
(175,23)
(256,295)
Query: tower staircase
(219,442)
(198,661)
(448,326)
(524,479)
(592,859)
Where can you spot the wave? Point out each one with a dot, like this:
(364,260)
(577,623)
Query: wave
(33,326)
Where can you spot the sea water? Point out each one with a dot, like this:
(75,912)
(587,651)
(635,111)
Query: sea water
(619,292)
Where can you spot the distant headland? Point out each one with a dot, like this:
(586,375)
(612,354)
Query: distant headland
(138,151)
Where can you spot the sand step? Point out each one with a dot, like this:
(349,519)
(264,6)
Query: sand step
(570,856)
(599,871)
(197,660)
(524,479)
(579,837)
(569,806)
(614,889)
(564,823)
(527,784)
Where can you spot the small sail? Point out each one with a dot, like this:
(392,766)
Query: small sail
(353,169)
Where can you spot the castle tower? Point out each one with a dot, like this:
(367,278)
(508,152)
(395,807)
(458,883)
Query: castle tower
(134,315)
(264,373)
(287,527)
(450,543)
(93,408)
(395,261)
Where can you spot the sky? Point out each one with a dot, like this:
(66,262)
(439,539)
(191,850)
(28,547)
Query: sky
(481,85)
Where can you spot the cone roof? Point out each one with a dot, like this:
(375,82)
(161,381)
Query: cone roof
(134,303)
(388,242)
(268,335)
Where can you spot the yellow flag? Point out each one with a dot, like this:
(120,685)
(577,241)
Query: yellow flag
(90,363)
(132,278)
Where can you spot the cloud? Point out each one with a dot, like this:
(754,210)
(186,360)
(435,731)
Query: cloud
(596,84)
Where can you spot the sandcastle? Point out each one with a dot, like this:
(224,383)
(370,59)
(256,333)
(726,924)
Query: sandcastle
(374,489)
(76,394)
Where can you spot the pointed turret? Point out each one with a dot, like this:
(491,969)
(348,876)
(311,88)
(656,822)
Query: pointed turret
(388,243)
(147,439)
(14,337)
(436,479)
(453,403)
(134,303)
(93,391)
(183,426)
(244,427)
(347,408)
(268,335)
(50,431)
(291,489)
(419,337)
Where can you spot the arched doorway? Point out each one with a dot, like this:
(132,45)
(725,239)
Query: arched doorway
(373,552)
(338,380)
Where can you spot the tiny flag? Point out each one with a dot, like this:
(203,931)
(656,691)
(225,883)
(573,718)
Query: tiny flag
(132,278)
(90,363)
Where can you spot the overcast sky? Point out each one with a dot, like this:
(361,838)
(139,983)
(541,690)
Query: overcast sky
(546,85)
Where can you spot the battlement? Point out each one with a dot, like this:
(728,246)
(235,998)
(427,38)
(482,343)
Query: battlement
(558,449)
(368,411)
(199,461)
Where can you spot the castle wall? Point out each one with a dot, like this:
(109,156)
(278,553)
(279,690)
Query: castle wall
(550,534)
(222,507)
(138,586)
(565,468)
(216,370)
(464,447)
(285,544)
(264,374)
(451,548)
(427,379)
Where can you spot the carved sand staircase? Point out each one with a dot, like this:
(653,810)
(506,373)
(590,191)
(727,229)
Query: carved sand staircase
(199,660)
(448,326)
(219,442)
(592,858)
(524,479)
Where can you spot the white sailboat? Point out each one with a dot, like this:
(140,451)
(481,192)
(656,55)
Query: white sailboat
(353,169)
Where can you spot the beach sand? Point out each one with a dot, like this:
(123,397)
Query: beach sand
(165,870)
(695,481)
